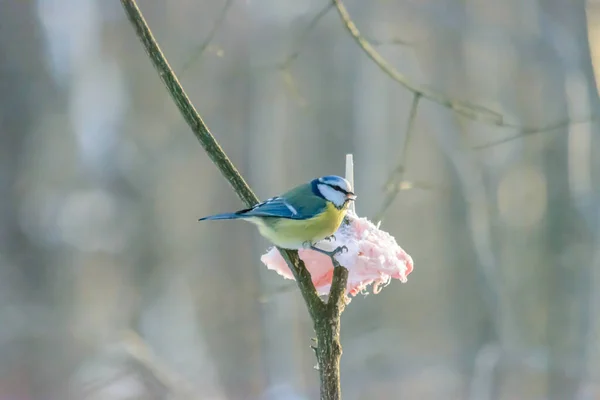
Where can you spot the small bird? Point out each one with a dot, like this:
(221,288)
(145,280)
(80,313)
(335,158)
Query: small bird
(302,216)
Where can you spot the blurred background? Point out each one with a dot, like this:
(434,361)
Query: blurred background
(110,289)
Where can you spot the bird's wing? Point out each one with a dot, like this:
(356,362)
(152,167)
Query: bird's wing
(274,207)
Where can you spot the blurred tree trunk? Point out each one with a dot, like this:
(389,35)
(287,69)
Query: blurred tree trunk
(570,239)
(24,272)
(589,202)
(25,86)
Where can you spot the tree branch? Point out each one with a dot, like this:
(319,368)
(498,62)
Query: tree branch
(285,66)
(390,42)
(209,37)
(326,317)
(466,109)
(328,334)
(525,131)
(302,40)
(140,352)
(395,178)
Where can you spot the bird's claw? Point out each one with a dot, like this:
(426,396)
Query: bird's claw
(334,252)
(341,249)
(330,238)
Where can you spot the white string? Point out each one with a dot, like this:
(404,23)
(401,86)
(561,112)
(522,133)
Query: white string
(350,176)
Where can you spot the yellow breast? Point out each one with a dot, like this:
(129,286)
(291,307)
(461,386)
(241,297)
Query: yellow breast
(291,233)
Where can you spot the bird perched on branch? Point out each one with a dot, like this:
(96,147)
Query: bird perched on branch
(302,216)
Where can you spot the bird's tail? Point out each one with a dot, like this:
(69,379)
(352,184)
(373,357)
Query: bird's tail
(222,216)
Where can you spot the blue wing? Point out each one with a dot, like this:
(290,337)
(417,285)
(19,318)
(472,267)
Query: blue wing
(273,207)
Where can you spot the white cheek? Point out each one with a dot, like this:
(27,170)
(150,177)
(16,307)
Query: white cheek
(332,195)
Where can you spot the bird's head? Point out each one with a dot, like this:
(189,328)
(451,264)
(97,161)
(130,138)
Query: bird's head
(334,189)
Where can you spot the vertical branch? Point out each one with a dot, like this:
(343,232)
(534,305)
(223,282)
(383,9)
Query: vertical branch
(329,349)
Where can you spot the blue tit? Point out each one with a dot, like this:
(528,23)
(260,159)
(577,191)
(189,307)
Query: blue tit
(302,216)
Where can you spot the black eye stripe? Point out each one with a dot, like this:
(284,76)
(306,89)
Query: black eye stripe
(339,189)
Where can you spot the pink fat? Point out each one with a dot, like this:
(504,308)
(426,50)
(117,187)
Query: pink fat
(373,258)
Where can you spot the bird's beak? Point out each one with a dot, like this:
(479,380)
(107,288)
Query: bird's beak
(351,196)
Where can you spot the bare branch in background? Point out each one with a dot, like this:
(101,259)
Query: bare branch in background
(463,108)
(142,364)
(284,67)
(209,38)
(304,36)
(389,42)
(396,177)
(524,131)
(325,316)
(149,365)
(290,83)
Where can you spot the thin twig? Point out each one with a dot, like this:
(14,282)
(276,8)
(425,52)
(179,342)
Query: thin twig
(284,67)
(524,131)
(326,323)
(304,36)
(143,355)
(209,38)
(466,109)
(398,173)
(389,42)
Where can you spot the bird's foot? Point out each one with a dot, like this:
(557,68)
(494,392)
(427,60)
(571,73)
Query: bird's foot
(332,253)
(330,238)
